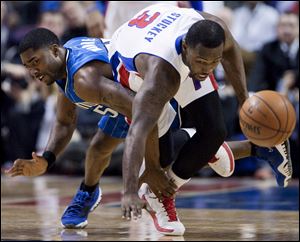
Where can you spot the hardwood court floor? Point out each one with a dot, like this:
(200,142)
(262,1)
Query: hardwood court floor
(211,210)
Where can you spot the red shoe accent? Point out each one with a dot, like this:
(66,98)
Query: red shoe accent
(169,205)
(155,220)
(214,159)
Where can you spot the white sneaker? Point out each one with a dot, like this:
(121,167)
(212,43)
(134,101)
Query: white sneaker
(162,212)
(223,162)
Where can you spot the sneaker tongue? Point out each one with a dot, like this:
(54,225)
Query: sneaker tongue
(169,205)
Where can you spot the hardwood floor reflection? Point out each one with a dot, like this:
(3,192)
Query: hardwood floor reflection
(31,210)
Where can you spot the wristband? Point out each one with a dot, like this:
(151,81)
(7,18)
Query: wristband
(50,157)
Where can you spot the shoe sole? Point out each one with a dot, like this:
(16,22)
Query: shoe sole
(73,226)
(97,202)
(156,224)
(289,164)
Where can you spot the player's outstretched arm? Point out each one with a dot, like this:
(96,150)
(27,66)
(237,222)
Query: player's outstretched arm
(60,136)
(232,61)
(161,82)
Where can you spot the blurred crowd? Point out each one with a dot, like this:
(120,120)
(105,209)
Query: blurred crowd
(267,32)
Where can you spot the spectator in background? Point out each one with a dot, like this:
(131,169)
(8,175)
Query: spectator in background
(53,20)
(95,22)
(279,58)
(83,17)
(286,6)
(254,24)
(24,102)
(21,109)
(75,15)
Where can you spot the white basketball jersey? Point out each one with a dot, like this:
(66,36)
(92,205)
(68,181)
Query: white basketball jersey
(157,30)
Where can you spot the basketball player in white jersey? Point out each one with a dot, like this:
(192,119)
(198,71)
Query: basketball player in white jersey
(175,51)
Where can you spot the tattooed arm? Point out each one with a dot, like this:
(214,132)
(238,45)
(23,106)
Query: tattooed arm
(91,85)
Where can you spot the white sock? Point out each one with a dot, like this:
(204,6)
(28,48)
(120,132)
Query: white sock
(177,180)
(190,131)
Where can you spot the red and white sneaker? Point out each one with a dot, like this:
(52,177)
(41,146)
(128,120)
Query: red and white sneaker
(223,162)
(162,212)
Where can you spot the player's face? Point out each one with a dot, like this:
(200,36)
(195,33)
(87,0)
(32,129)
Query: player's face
(201,60)
(43,64)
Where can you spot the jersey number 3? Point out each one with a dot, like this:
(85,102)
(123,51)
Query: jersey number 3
(143,20)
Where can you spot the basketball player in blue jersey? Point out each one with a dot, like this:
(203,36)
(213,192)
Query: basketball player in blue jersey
(80,68)
(175,50)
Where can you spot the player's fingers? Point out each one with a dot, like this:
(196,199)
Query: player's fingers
(159,195)
(139,210)
(166,193)
(14,168)
(164,188)
(134,211)
(173,185)
(128,213)
(157,192)
(10,170)
(171,190)
(123,212)
(16,173)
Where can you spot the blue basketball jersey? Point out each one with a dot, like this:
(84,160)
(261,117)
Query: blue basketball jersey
(80,51)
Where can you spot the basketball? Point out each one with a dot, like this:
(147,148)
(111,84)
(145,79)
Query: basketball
(267,118)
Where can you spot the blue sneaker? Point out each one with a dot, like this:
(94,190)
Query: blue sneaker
(279,159)
(76,214)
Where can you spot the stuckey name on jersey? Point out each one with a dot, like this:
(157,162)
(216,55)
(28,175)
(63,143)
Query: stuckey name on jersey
(157,30)
(144,19)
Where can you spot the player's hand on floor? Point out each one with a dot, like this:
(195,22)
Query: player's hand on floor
(132,203)
(35,167)
(158,182)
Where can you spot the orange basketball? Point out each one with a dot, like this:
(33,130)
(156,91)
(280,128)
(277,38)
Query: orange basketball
(267,118)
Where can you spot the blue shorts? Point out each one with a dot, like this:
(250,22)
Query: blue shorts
(118,128)
(115,127)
